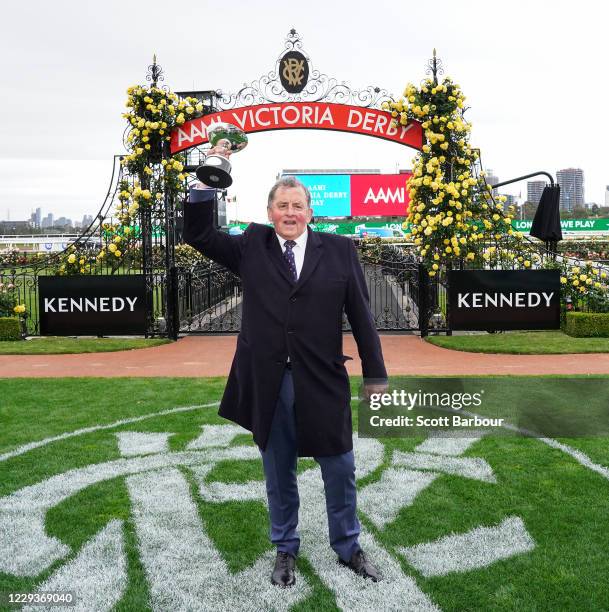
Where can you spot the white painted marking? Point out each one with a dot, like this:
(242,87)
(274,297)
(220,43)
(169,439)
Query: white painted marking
(477,548)
(20,450)
(22,534)
(220,492)
(382,501)
(446,445)
(169,528)
(216,435)
(395,592)
(369,455)
(26,548)
(468,467)
(97,576)
(580,457)
(132,443)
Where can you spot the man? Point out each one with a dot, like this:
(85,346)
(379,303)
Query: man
(288,384)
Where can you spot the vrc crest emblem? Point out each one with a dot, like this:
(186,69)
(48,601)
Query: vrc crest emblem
(294,71)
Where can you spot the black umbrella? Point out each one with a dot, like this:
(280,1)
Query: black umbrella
(546,224)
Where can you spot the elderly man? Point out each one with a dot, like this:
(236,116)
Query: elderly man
(288,384)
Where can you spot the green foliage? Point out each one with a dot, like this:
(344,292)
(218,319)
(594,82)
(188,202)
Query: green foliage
(8,300)
(10,328)
(522,343)
(587,324)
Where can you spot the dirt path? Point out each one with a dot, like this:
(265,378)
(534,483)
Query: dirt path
(212,355)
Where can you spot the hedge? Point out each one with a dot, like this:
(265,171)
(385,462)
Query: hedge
(587,324)
(10,329)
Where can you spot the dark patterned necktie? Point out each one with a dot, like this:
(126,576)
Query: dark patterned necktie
(288,255)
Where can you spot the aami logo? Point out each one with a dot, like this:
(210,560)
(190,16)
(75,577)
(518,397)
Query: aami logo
(386,196)
(379,194)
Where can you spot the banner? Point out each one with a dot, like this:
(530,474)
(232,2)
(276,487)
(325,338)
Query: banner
(92,305)
(358,195)
(504,299)
(330,194)
(599,227)
(383,195)
(300,115)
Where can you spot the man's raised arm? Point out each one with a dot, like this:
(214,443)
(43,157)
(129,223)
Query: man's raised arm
(200,232)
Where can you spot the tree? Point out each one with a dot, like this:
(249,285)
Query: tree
(579,212)
(528,210)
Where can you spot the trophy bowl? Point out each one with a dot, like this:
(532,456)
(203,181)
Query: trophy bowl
(216,170)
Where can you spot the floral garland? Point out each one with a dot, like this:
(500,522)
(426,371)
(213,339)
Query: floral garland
(451,210)
(149,176)
(453,216)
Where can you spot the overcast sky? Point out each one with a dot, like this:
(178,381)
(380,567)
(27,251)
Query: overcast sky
(533,73)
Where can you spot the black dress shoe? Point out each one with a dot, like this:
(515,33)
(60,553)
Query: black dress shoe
(361,566)
(283,573)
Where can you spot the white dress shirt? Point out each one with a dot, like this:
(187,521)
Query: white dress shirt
(298,249)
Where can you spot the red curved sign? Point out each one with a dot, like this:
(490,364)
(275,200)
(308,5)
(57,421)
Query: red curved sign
(300,115)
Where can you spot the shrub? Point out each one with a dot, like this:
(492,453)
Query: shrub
(587,324)
(10,328)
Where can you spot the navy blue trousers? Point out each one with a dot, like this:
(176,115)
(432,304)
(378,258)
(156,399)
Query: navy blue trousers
(338,474)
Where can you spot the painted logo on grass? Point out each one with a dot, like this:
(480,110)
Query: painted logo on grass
(183,567)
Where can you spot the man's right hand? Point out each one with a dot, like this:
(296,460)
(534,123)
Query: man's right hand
(219,150)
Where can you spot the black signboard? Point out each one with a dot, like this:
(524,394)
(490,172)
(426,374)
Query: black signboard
(504,299)
(293,71)
(92,305)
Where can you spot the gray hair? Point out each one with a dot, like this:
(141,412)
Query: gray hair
(288,182)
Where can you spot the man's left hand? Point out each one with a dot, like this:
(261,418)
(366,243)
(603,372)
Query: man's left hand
(374,387)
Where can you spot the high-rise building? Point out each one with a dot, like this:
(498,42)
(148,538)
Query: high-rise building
(87,220)
(38,217)
(607,195)
(534,191)
(47,221)
(571,181)
(63,222)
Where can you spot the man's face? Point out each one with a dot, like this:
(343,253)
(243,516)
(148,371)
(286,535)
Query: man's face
(289,212)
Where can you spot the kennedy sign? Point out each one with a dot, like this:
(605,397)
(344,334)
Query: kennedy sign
(504,299)
(92,305)
(300,115)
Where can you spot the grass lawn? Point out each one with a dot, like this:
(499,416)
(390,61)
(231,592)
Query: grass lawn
(562,505)
(522,343)
(55,345)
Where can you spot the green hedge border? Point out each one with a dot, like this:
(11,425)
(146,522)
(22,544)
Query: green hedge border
(10,328)
(587,324)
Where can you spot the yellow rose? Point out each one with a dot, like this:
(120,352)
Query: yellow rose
(72,258)
(117,253)
(112,248)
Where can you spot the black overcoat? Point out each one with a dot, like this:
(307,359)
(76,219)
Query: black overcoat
(302,320)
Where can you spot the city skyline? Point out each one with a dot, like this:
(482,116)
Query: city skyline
(66,90)
(532,189)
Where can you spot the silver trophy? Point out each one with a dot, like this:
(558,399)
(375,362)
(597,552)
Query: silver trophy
(215,171)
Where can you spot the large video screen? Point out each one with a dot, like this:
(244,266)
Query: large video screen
(357,195)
